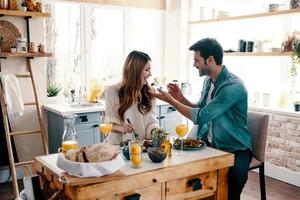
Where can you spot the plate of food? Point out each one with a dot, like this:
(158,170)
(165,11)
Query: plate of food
(189,144)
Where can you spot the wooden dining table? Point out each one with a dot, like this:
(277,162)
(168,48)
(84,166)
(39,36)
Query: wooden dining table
(195,175)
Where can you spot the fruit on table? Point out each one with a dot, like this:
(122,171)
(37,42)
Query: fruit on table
(135,149)
(136,160)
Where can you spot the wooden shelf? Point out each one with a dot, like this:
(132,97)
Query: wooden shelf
(18,13)
(258,54)
(267,14)
(26,55)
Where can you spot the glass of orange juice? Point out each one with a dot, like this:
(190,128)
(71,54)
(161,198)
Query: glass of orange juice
(105,126)
(182,128)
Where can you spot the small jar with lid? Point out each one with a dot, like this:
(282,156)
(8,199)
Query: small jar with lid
(13,4)
(4,4)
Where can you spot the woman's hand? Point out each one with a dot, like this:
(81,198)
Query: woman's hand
(124,128)
(175,92)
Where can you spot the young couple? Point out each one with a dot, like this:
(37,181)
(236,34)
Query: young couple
(221,113)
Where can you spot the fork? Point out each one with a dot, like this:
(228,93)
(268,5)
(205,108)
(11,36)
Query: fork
(134,133)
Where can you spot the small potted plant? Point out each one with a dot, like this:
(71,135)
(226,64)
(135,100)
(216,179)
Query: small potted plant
(24,6)
(158,136)
(295,59)
(13,49)
(53,90)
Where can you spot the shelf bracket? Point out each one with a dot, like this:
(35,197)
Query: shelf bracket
(27,28)
(0,61)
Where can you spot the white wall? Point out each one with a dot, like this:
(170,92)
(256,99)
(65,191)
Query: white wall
(28,146)
(176,38)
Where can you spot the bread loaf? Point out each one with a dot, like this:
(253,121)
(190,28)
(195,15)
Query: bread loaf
(96,153)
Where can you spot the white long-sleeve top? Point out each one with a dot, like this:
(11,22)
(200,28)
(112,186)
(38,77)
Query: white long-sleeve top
(142,123)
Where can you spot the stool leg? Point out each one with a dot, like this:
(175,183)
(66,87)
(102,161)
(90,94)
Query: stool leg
(262,181)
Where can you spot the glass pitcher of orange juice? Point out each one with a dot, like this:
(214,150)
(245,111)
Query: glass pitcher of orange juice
(69,138)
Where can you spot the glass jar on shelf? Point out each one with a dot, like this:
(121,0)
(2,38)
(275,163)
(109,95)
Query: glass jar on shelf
(69,138)
(13,4)
(4,4)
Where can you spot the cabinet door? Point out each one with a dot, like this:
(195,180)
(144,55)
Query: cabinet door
(153,192)
(198,186)
(98,137)
(85,134)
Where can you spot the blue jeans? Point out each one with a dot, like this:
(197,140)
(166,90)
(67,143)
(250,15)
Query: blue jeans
(238,174)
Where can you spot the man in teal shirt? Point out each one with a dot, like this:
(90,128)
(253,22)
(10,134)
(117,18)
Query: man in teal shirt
(221,113)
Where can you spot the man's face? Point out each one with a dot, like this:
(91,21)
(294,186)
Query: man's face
(200,64)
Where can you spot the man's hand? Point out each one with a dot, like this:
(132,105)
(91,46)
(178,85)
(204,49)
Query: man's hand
(175,91)
(162,95)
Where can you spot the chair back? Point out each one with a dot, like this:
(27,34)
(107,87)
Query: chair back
(258,126)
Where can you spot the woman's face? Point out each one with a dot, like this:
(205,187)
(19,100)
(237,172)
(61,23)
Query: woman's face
(146,73)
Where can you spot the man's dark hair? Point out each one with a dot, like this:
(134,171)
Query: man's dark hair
(209,47)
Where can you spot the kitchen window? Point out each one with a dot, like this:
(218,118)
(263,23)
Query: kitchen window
(92,42)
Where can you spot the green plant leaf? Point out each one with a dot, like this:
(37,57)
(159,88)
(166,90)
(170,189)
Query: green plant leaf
(53,90)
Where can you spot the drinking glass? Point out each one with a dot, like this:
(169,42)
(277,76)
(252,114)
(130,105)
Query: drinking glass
(182,128)
(105,126)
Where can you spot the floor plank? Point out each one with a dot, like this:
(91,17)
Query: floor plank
(276,190)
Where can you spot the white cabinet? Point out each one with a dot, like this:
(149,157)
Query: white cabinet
(167,116)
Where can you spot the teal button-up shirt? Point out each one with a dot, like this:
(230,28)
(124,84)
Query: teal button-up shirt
(227,111)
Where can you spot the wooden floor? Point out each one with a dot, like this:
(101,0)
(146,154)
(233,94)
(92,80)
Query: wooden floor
(276,190)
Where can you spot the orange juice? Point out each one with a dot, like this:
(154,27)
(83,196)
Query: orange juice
(71,144)
(181,130)
(105,128)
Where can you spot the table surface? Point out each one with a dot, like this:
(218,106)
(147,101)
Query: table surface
(49,161)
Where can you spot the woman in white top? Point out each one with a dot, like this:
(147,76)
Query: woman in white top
(131,99)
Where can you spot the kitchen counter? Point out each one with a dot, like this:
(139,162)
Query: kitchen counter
(64,108)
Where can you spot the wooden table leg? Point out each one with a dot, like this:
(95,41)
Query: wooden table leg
(222,185)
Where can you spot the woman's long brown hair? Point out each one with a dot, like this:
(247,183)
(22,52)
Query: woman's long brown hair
(132,89)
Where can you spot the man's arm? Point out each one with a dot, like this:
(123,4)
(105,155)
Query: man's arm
(180,107)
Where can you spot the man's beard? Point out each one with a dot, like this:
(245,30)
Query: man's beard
(203,72)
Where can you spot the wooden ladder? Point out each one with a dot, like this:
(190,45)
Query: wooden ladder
(9,134)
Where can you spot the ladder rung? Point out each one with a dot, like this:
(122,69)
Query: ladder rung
(24,163)
(29,104)
(25,132)
(23,75)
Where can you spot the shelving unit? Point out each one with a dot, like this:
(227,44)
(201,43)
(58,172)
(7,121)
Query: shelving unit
(258,54)
(17,13)
(241,17)
(28,57)
(269,29)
